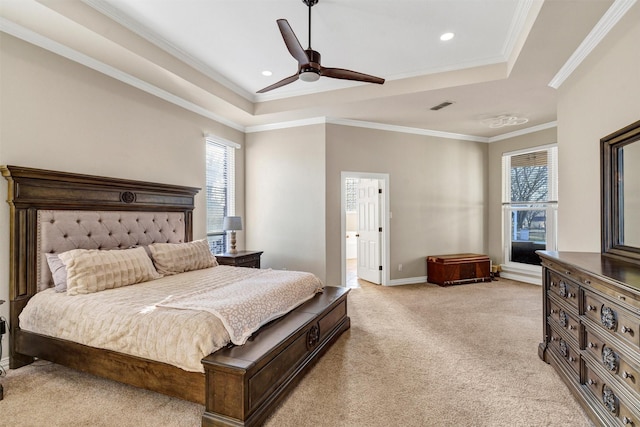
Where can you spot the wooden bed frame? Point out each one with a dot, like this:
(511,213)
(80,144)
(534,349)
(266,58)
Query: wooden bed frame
(240,386)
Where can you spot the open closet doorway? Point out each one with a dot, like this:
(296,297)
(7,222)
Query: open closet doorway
(365,228)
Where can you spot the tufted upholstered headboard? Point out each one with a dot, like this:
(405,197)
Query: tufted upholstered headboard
(59,231)
(92,212)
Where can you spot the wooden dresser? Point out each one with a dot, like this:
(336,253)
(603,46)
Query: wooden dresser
(592,332)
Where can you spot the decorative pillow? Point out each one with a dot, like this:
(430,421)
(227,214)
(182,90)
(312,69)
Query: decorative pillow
(94,270)
(173,258)
(58,272)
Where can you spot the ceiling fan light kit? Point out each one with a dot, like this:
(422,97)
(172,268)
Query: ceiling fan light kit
(309,68)
(309,76)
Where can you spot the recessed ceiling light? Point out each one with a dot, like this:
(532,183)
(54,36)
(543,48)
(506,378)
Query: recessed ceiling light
(267,73)
(446,36)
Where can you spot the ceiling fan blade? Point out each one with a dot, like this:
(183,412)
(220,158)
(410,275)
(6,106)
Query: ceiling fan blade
(340,73)
(292,42)
(282,82)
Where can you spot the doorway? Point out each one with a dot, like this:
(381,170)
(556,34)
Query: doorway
(364,228)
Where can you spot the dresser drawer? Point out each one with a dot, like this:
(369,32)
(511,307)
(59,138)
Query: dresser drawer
(621,296)
(612,360)
(565,351)
(564,319)
(563,288)
(612,318)
(610,400)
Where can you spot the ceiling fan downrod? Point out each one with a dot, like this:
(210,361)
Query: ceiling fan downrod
(310,3)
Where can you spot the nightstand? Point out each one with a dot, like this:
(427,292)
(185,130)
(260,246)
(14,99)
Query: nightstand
(241,259)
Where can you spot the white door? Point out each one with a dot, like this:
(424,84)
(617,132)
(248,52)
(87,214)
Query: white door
(369,231)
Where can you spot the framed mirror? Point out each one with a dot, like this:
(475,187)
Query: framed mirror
(620,173)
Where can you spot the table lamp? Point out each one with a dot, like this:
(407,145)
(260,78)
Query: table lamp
(232,224)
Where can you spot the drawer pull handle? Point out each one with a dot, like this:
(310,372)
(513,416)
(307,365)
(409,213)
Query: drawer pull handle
(587,281)
(593,345)
(554,311)
(552,339)
(553,284)
(572,359)
(592,382)
(622,297)
(572,327)
(626,420)
(567,273)
(571,295)
(626,330)
(627,375)
(591,307)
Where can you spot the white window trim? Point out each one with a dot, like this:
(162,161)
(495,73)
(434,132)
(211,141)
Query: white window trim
(515,270)
(231,174)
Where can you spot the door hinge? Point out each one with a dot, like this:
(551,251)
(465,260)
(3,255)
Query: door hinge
(380,229)
(379,190)
(380,268)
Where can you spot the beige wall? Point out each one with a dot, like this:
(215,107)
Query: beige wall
(496,150)
(56,114)
(285,194)
(600,97)
(438,192)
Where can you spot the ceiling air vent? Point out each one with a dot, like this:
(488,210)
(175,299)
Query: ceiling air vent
(441,106)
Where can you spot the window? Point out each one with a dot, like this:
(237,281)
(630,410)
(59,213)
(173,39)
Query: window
(530,202)
(351,192)
(220,190)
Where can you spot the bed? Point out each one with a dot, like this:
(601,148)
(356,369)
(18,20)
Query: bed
(239,385)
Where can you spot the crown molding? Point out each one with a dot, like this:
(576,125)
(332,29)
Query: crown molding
(611,17)
(405,129)
(395,128)
(526,131)
(46,43)
(286,125)
(516,27)
(113,13)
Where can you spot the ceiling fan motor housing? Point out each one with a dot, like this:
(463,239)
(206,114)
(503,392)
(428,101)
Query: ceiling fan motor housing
(311,72)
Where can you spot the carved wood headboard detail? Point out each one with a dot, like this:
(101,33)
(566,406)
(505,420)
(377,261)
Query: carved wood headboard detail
(31,190)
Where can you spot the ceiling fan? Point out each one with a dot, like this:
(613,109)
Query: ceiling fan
(309,68)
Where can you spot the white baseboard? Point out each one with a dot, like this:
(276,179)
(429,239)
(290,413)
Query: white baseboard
(522,273)
(407,281)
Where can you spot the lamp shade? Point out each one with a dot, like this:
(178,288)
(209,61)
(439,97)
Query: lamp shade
(232,223)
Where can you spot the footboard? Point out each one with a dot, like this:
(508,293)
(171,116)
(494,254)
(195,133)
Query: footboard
(245,383)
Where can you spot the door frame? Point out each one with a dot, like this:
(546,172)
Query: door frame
(385,216)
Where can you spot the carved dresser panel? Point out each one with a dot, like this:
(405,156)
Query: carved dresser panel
(592,332)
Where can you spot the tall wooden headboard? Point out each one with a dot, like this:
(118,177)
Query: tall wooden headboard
(31,190)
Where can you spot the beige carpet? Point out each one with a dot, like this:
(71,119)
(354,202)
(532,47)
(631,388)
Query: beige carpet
(416,355)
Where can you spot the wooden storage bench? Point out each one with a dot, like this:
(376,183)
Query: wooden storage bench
(455,269)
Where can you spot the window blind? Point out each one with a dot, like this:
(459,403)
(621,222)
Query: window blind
(220,182)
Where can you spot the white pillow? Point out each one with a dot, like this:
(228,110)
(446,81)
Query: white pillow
(93,270)
(173,258)
(58,272)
